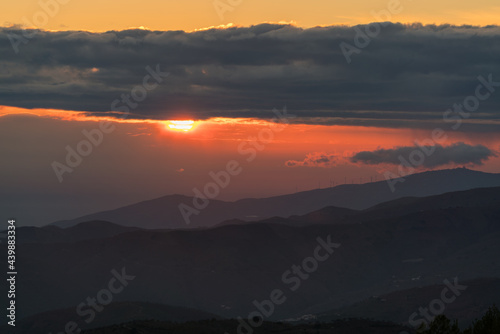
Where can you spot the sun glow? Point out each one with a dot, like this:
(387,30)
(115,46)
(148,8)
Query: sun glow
(181,125)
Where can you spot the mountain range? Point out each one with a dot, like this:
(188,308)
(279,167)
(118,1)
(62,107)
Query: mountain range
(164,212)
(403,248)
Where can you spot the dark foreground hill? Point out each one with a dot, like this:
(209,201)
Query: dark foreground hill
(349,326)
(115,313)
(164,213)
(477,296)
(84,231)
(225,270)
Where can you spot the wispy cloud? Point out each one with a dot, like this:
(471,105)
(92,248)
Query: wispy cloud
(317,159)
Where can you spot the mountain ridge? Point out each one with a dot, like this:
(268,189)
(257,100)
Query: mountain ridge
(164,212)
(221,270)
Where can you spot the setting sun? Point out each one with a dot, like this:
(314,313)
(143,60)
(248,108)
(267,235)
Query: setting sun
(181,125)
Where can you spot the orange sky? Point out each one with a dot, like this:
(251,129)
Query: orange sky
(144,159)
(218,140)
(103,15)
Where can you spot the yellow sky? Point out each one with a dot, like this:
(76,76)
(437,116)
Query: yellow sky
(102,15)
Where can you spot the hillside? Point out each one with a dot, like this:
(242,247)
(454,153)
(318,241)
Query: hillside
(223,270)
(115,313)
(350,326)
(397,306)
(164,213)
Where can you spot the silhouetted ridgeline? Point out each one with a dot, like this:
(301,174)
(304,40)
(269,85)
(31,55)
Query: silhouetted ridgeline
(164,212)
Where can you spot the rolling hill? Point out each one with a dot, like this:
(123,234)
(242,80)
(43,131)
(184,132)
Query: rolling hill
(164,213)
(55,321)
(223,270)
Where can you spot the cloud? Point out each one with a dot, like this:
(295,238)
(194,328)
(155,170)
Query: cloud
(316,159)
(427,156)
(248,71)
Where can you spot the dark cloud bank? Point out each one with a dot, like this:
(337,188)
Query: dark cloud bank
(437,156)
(458,154)
(406,77)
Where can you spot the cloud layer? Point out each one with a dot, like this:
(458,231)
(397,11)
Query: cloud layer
(427,156)
(406,77)
(316,159)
